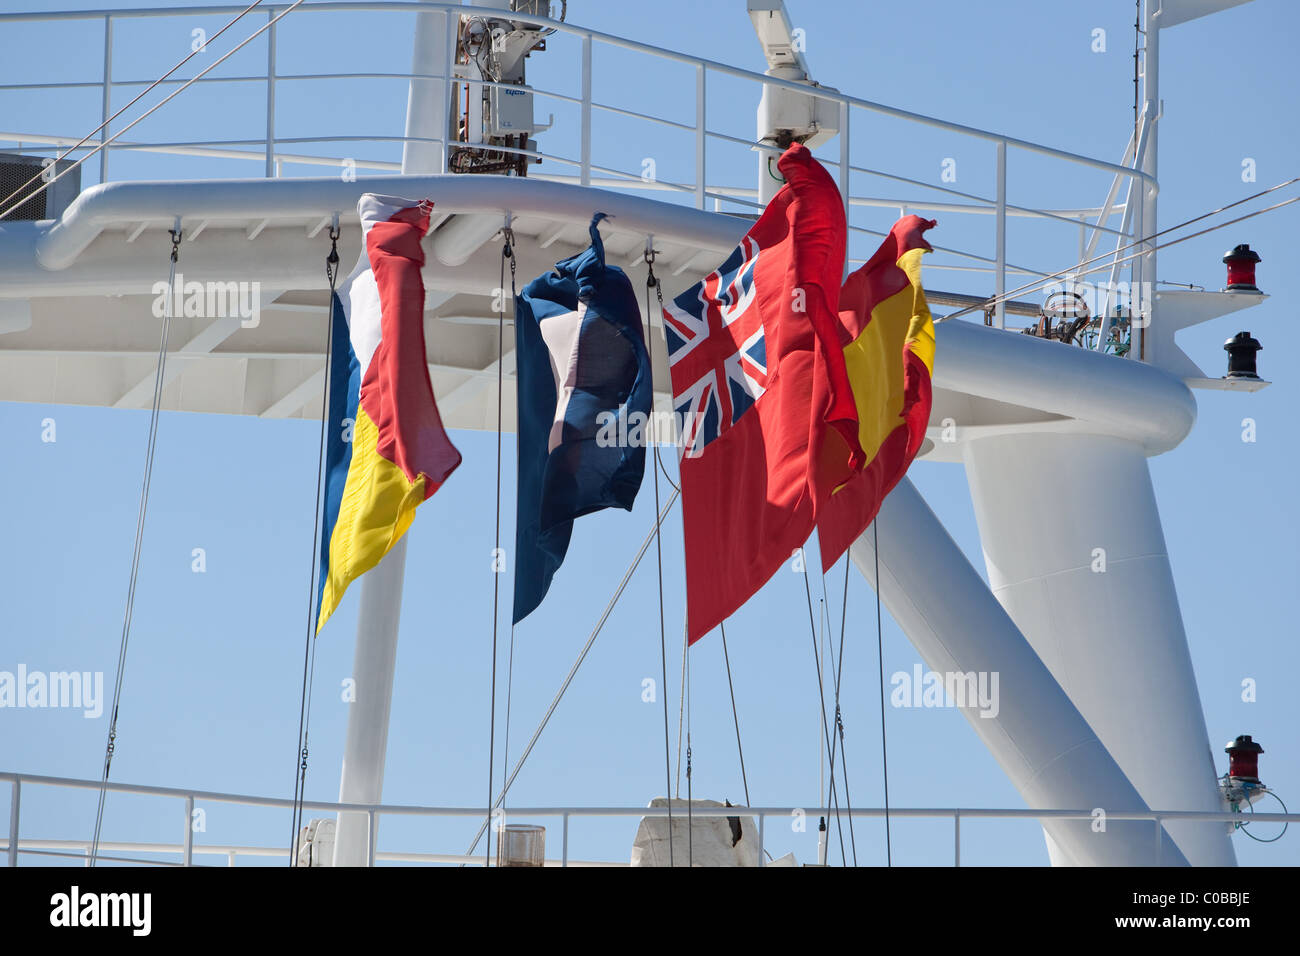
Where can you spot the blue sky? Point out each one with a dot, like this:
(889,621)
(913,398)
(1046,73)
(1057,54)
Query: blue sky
(212,682)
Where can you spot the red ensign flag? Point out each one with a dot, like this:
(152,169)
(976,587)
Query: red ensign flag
(761,391)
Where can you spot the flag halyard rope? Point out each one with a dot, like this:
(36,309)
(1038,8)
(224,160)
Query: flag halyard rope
(313,583)
(880,651)
(838,731)
(507,254)
(652,282)
(821,693)
(582,655)
(744,779)
(150,448)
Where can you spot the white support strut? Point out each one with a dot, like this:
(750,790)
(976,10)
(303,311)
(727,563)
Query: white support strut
(1036,733)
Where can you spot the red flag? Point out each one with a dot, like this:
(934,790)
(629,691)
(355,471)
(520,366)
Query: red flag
(768,421)
(888,340)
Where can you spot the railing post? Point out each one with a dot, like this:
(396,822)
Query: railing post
(701,127)
(844,166)
(956,838)
(586,110)
(270,98)
(107,97)
(762,826)
(189,831)
(1159,828)
(564,841)
(1137,275)
(373,837)
(1000,280)
(452,89)
(14,798)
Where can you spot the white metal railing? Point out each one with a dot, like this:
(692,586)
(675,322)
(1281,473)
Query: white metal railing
(78,850)
(1091,222)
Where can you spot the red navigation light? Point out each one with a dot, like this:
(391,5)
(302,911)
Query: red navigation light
(1243,758)
(1241,269)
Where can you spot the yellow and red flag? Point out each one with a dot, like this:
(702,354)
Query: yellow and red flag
(889,353)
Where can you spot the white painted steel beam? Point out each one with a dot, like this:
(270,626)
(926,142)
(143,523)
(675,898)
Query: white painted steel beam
(480,382)
(463,235)
(298,396)
(365,749)
(202,343)
(1092,591)
(1086,389)
(1037,736)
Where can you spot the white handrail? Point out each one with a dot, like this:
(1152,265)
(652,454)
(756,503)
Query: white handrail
(187,849)
(585,33)
(700,190)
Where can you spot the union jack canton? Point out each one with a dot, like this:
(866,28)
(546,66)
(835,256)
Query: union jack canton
(717,353)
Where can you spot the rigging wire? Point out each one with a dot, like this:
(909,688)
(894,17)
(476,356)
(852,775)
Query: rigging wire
(139,96)
(823,760)
(582,655)
(507,253)
(47,183)
(828,658)
(313,584)
(839,718)
(822,694)
(836,723)
(510,690)
(652,282)
(667,477)
(681,723)
(150,448)
(821,718)
(1074,270)
(734,715)
(880,653)
(828,661)
(690,820)
(510,667)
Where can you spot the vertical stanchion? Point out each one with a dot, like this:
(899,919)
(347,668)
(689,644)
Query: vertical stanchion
(586,110)
(107,98)
(844,167)
(189,831)
(452,88)
(700,135)
(270,99)
(956,838)
(1000,279)
(15,795)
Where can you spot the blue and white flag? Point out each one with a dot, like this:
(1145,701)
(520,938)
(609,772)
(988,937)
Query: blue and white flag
(583,372)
